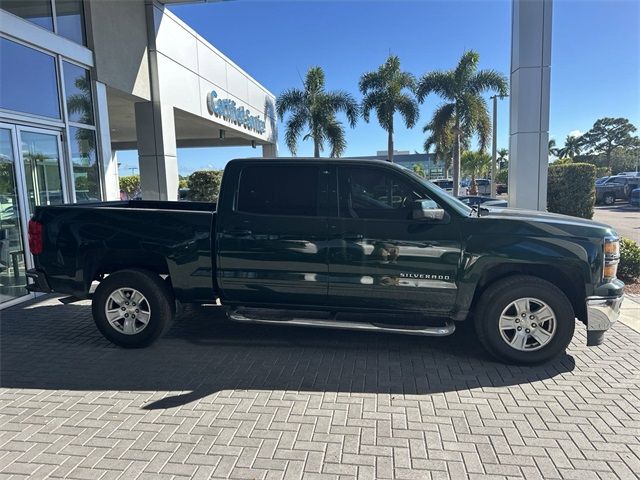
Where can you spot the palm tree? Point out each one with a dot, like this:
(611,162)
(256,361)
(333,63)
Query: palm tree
(503,158)
(464,112)
(389,90)
(475,163)
(315,109)
(572,147)
(552,147)
(418,169)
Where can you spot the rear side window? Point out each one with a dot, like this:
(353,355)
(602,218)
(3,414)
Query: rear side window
(279,190)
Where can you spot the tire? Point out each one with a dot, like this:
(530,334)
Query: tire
(497,307)
(155,307)
(609,199)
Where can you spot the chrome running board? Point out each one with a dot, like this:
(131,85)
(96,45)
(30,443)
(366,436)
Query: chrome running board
(448,328)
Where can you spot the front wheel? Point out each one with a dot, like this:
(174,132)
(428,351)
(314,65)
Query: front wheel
(132,308)
(524,319)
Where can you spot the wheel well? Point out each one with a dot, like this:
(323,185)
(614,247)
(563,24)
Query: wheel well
(571,282)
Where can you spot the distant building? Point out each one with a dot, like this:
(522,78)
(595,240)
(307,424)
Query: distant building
(433,168)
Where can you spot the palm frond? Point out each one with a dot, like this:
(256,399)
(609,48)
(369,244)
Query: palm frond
(489,80)
(342,101)
(295,125)
(438,82)
(336,138)
(289,100)
(466,67)
(408,108)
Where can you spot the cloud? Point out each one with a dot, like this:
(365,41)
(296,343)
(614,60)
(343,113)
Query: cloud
(576,133)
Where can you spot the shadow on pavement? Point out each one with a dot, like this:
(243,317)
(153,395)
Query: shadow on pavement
(52,346)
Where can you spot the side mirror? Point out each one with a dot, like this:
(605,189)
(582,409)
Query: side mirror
(427,210)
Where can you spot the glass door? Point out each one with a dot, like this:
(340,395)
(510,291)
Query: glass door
(43,169)
(31,174)
(12,254)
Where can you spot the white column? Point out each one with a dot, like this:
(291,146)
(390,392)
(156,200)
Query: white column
(529,105)
(270,150)
(156,135)
(110,179)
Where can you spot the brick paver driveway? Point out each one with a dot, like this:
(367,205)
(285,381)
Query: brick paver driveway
(225,400)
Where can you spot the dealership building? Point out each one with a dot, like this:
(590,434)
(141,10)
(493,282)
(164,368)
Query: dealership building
(81,80)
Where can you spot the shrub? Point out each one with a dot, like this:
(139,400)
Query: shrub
(571,189)
(629,267)
(130,185)
(602,172)
(502,176)
(204,186)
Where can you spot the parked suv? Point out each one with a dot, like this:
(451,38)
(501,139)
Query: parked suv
(617,187)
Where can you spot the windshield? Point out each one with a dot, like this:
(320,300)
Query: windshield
(450,200)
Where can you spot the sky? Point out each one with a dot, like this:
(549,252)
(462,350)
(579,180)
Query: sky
(594,68)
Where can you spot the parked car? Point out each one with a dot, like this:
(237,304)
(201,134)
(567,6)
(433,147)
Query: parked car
(601,180)
(617,187)
(447,185)
(630,174)
(634,198)
(338,243)
(477,200)
(483,186)
(502,188)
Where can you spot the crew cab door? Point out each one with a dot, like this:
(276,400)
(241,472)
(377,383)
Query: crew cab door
(380,256)
(272,235)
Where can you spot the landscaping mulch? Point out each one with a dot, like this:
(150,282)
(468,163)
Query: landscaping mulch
(632,288)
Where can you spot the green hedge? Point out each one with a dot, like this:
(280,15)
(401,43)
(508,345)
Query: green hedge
(571,189)
(629,268)
(204,186)
(502,176)
(130,185)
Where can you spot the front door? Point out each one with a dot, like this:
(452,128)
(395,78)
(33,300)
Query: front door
(380,257)
(30,174)
(272,242)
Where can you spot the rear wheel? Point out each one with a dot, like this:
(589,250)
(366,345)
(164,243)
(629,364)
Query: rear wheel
(524,319)
(609,199)
(132,308)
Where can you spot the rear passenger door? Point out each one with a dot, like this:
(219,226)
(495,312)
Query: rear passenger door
(272,243)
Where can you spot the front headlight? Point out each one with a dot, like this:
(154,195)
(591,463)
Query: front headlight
(611,258)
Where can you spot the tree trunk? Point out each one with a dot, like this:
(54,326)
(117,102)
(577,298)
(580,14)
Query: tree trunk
(390,146)
(456,160)
(316,148)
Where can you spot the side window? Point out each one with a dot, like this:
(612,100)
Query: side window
(279,190)
(372,193)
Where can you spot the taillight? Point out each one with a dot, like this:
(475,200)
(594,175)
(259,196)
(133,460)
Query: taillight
(35,237)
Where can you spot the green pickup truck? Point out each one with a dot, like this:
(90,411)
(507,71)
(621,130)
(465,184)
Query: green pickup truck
(351,244)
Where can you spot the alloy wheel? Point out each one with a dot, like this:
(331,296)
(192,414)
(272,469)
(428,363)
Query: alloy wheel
(527,324)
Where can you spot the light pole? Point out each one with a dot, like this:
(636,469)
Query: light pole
(494,143)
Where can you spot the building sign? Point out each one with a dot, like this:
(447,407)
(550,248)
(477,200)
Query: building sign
(226,109)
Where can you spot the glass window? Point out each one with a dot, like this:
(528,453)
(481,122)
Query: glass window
(41,159)
(77,88)
(70,20)
(279,190)
(36,11)
(375,194)
(28,80)
(86,172)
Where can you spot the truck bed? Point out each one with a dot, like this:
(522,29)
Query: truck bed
(84,241)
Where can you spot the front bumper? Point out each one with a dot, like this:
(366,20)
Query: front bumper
(602,313)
